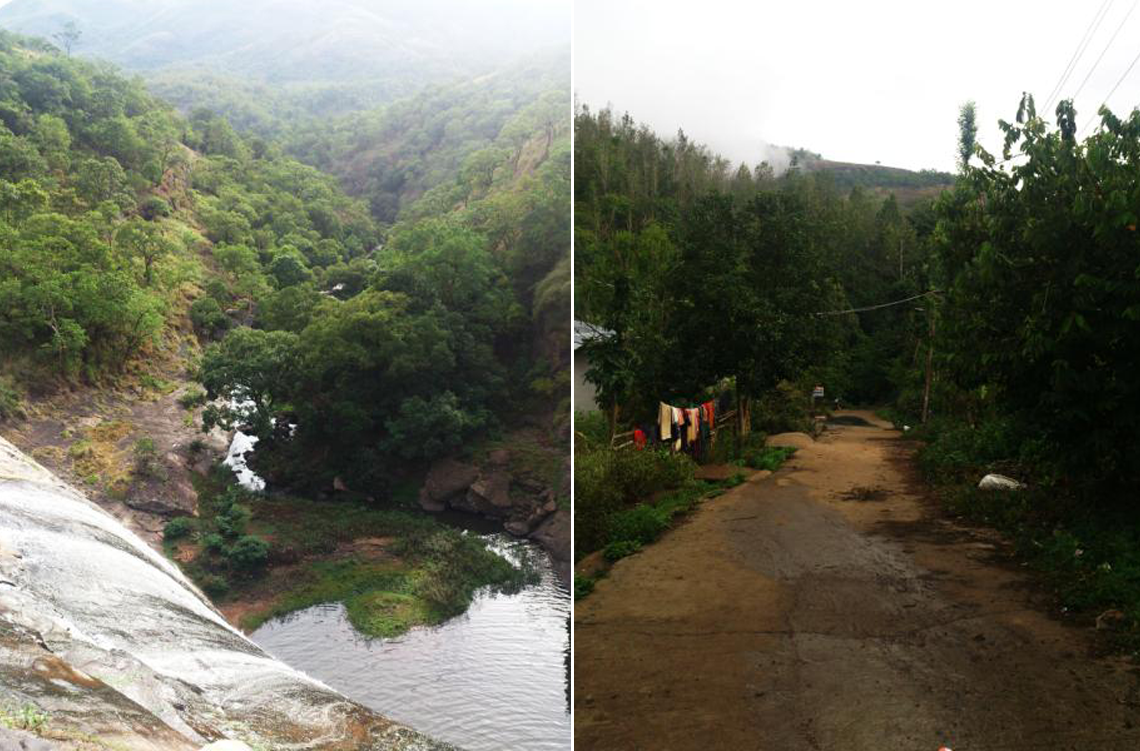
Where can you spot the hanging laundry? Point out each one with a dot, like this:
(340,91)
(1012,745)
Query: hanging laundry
(665,421)
(693,424)
(639,439)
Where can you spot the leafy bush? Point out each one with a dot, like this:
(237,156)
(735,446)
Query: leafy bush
(194,397)
(208,317)
(956,451)
(11,405)
(232,521)
(213,543)
(154,207)
(767,457)
(177,528)
(583,585)
(606,481)
(592,428)
(639,525)
(147,462)
(615,551)
(784,409)
(214,585)
(249,554)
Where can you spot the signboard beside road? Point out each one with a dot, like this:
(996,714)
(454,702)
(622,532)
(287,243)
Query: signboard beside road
(817,392)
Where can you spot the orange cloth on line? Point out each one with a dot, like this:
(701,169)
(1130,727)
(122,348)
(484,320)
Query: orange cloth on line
(710,413)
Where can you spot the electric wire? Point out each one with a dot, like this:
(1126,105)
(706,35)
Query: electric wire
(880,305)
(1113,91)
(1078,52)
(1105,50)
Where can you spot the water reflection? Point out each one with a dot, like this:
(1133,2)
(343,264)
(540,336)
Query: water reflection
(496,677)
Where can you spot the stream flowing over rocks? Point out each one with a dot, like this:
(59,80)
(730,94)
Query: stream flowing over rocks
(491,492)
(110,640)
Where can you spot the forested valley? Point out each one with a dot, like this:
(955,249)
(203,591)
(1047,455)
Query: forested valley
(993,321)
(365,294)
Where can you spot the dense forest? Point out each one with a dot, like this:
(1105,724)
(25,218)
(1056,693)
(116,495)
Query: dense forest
(380,341)
(673,241)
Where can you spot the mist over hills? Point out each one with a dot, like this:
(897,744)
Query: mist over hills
(326,57)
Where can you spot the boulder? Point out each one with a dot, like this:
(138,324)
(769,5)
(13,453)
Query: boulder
(174,498)
(517,527)
(554,535)
(999,482)
(491,494)
(427,504)
(446,480)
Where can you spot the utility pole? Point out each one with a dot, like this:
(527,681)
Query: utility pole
(929,366)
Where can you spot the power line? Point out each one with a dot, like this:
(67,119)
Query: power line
(1079,51)
(1113,91)
(1102,52)
(880,305)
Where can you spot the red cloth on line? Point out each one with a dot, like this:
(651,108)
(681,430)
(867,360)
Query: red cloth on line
(639,439)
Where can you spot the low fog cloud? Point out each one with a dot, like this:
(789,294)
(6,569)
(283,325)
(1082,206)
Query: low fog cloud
(866,82)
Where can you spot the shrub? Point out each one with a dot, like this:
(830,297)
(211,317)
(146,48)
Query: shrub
(639,525)
(208,317)
(11,405)
(767,457)
(232,521)
(606,481)
(615,551)
(194,397)
(213,543)
(154,207)
(592,428)
(147,462)
(783,409)
(214,585)
(249,554)
(177,528)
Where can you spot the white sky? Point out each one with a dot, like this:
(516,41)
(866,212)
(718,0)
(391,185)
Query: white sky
(855,81)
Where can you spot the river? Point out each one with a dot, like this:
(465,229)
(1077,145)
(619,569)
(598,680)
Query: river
(494,678)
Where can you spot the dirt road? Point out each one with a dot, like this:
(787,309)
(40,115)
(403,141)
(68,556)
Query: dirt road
(792,613)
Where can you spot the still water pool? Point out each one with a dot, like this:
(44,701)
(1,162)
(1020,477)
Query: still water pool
(493,678)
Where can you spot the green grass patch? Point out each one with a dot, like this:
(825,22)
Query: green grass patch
(426,573)
(583,585)
(27,717)
(770,458)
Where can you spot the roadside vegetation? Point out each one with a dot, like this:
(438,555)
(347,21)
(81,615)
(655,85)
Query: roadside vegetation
(626,499)
(1040,382)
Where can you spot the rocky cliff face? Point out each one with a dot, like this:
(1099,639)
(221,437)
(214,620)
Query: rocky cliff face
(113,643)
